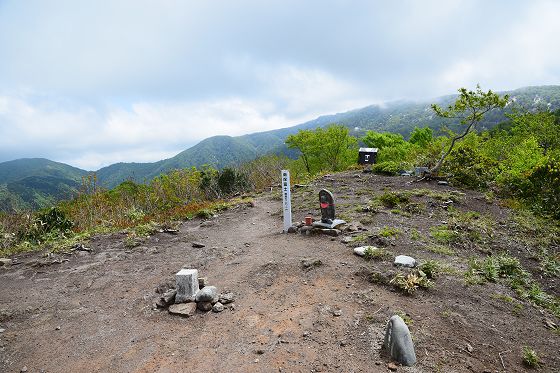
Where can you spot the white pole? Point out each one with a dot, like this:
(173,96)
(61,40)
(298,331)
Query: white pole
(287,200)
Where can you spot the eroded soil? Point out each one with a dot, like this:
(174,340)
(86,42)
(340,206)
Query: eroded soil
(94,312)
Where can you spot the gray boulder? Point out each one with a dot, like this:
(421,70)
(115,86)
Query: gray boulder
(5,262)
(207,294)
(398,341)
(405,261)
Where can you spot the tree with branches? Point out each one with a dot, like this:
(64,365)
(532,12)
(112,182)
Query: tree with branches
(469,107)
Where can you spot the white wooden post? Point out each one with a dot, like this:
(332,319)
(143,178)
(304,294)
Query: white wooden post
(287,200)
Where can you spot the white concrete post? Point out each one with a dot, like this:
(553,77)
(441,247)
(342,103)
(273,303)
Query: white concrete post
(187,285)
(287,200)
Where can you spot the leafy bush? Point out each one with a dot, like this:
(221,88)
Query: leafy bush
(432,268)
(386,168)
(231,181)
(466,165)
(409,283)
(49,222)
(542,187)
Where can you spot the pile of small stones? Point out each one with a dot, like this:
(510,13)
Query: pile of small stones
(207,298)
(333,232)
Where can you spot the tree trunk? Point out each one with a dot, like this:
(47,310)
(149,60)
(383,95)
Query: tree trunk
(436,168)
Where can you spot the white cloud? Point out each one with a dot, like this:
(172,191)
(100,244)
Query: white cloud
(88,137)
(523,54)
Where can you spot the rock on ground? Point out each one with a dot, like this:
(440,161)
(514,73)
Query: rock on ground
(183,309)
(218,307)
(207,294)
(398,341)
(227,298)
(405,261)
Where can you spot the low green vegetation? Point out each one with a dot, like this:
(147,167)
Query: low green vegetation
(441,249)
(373,253)
(530,358)
(507,268)
(394,199)
(442,234)
(431,268)
(389,231)
(409,282)
(406,317)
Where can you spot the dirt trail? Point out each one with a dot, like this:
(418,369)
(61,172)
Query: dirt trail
(94,313)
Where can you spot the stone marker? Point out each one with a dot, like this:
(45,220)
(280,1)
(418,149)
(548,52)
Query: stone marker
(398,342)
(187,285)
(405,261)
(183,309)
(207,294)
(326,203)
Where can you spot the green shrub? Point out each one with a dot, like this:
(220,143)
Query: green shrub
(467,166)
(494,267)
(444,235)
(393,199)
(542,187)
(373,253)
(409,283)
(530,358)
(46,224)
(432,268)
(386,168)
(389,231)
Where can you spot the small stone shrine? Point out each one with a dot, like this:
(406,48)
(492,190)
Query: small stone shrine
(328,220)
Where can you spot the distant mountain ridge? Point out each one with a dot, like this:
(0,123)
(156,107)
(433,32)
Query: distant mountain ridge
(37,182)
(34,183)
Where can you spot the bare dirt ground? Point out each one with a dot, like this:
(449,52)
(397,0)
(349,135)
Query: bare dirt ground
(94,312)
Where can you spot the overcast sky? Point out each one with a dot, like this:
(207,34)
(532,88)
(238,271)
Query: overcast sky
(91,83)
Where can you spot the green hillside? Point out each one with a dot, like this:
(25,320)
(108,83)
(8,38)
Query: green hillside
(20,179)
(32,183)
